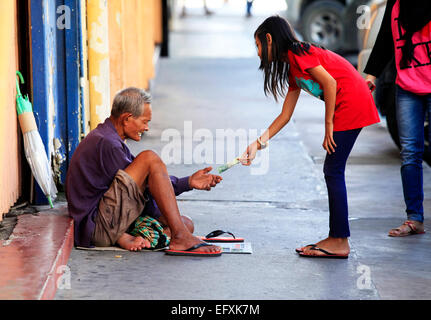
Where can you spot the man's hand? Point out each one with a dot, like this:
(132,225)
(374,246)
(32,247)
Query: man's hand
(202,180)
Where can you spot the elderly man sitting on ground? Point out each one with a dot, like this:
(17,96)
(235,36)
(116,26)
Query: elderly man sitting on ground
(108,189)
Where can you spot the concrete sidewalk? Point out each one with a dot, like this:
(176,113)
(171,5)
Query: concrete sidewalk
(195,96)
(211,84)
(276,212)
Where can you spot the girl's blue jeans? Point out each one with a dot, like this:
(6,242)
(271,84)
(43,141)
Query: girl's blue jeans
(333,168)
(411,110)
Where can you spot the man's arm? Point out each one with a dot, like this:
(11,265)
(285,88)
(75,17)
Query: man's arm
(180,185)
(201,180)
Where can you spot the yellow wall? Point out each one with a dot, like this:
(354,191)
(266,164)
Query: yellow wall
(84,82)
(158,35)
(116,45)
(10,184)
(98,60)
(134,28)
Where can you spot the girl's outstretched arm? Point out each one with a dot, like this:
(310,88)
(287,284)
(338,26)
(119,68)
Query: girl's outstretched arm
(284,117)
(329,85)
(279,122)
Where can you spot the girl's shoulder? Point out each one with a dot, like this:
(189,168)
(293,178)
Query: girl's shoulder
(312,51)
(307,50)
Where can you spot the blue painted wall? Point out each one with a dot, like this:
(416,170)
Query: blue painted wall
(56,96)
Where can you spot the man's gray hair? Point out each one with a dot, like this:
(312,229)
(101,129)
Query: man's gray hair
(130,100)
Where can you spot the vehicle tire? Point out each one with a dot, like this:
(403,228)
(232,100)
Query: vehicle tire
(322,24)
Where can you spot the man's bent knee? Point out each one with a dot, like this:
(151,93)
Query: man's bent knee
(142,165)
(147,155)
(149,158)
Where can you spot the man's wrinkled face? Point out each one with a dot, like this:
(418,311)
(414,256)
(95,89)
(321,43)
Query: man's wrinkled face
(134,127)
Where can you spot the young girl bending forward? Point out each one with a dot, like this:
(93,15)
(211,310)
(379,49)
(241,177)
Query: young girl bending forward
(349,106)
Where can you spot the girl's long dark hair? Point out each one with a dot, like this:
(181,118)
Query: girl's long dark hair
(414,16)
(276,72)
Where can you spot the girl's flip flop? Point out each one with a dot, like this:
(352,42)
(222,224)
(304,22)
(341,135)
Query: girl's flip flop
(308,245)
(213,237)
(327,254)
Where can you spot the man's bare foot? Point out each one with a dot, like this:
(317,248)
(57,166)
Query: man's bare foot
(131,243)
(339,246)
(185,241)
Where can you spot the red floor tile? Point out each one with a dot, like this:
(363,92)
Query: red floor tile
(31,260)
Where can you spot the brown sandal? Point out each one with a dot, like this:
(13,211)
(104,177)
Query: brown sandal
(403,232)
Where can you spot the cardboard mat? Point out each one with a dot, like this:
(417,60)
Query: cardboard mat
(242,247)
(116,249)
(239,247)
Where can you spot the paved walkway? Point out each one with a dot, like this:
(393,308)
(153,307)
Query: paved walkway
(208,86)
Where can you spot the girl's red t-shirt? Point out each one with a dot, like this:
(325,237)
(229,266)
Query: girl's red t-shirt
(354,106)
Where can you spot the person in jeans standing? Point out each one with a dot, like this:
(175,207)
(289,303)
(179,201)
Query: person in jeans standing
(249,6)
(406,34)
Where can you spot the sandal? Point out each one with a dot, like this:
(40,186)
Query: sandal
(326,254)
(214,237)
(403,232)
(309,245)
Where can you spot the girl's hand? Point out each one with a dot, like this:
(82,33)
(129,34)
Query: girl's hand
(249,155)
(329,143)
(371,82)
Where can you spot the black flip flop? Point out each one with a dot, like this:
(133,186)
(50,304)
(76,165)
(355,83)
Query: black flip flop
(308,245)
(328,255)
(189,252)
(212,237)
